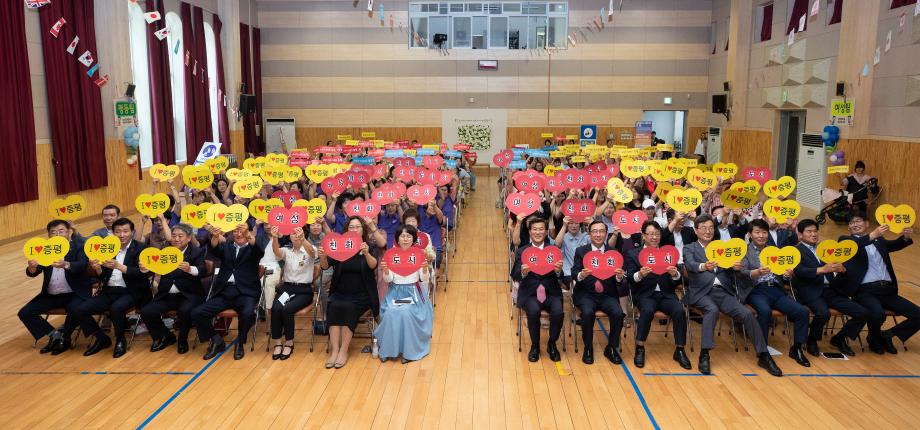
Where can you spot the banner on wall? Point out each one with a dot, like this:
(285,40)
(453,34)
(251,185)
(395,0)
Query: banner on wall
(485,130)
(643,133)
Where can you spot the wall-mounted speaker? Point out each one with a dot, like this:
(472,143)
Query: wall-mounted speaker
(726,86)
(841,89)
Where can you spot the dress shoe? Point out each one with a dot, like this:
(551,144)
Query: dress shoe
(101,342)
(588,356)
(534,354)
(182,348)
(888,342)
(121,347)
(704,363)
(60,346)
(639,359)
(214,348)
(875,345)
(799,356)
(161,344)
(765,361)
(612,355)
(291,351)
(681,358)
(553,352)
(812,348)
(239,351)
(276,353)
(840,343)
(50,345)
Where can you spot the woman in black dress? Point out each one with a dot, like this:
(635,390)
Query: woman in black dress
(352,293)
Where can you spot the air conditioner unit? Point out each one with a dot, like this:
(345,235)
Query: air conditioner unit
(714,145)
(812,171)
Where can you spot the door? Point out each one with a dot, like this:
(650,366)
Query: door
(791,126)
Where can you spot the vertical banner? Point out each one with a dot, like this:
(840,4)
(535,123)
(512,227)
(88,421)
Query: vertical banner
(485,130)
(643,133)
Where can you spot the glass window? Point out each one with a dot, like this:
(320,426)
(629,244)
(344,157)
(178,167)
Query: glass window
(419,32)
(137,29)
(487,25)
(499,36)
(438,25)
(177,81)
(557,7)
(480,32)
(555,36)
(456,7)
(461,32)
(209,48)
(536,37)
(533,8)
(474,7)
(443,9)
(517,32)
(512,7)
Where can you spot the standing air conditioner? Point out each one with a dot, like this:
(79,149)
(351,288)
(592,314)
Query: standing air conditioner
(714,145)
(811,171)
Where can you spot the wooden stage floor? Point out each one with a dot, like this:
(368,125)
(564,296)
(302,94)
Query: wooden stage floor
(474,378)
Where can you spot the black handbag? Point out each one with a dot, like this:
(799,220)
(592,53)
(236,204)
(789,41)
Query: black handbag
(320,327)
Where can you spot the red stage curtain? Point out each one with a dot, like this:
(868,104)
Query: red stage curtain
(17,124)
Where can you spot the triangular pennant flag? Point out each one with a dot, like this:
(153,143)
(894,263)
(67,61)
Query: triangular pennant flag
(195,69)
(161,33)
(102,81)
(56,28)
(370,5)
(92,70)
(73,45)
(187,56)
(152,17)
(86,59)
(176,48)
(33,4)
(610,8)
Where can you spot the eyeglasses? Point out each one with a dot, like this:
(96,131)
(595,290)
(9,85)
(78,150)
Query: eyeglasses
(707,229)
(596,230)
(656,234)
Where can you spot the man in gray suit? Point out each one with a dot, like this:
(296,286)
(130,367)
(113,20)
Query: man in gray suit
(712,290)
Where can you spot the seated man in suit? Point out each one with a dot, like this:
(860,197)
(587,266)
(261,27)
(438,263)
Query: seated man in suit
(110,213)
(123,287)
(873,284)
(817,286)
(781,235)
(539,292)
(711,290)
(653,293)
(591,294)
(236,287)
(180,290)
(64,285)
(765,291)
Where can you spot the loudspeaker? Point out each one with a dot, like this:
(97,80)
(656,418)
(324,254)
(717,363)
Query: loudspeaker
(726,86)
(841,89)
(719,102)
(130,91)
(439,38)
(247,103)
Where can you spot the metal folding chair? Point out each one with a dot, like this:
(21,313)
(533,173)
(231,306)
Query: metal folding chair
(228,314)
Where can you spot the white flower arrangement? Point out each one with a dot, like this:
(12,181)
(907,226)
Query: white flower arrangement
(479,137)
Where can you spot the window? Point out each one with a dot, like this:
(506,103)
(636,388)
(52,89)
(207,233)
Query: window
(480,32)
(763,22)
(462,32)
(834,11)
(900,3)
(419,33)
(489,25)
(499,35)
(210,50)
(137,34)
(177,81)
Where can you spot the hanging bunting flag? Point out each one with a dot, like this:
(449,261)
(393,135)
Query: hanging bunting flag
(161,33)
(370,6)
(381,12)
(187,56)
(92,70)
(86,59)
(152,17)
(176,48)
(102,81)
(816,7)
(73,45)
(195,69)
(603,14)
(610,9)
(33,4)
(391,21)
(56,28)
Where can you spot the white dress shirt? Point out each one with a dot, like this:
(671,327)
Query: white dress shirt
(117,279)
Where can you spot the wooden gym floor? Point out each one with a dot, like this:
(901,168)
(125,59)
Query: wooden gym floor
(474,377)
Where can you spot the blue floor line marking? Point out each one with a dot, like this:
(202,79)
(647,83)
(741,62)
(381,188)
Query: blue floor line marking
(184,386)
(674,374)
(635,386)
(24,373)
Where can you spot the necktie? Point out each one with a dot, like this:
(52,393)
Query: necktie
(598,287)
(541,293)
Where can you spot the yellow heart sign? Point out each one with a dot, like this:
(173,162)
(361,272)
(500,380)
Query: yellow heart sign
(782,187)
(259,208)
(659,170)
(551,170)
(195,215)
(68,208)
(227,218)
(684,201)
(831,251)
(733,199)
(617,189)
(247,188)
(197,177)
(663,188)
(578,159)
(634,168)
(316,173)
(675,169)
(896,218)
(151,205)
(749,186)
(725,170)
(102,248)
(629,152)
(235,174)
(277,158)
(46,251)
(726,252)
(162,172)
(292,174)
(316,208)
(161,261)
(781,210)
(689,162)
(273,173)
(255,164)
(218,164)
(780,260)
(701,180)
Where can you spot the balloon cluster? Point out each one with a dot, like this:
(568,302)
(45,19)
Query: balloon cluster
(837,159)
(132,139)
(830,136)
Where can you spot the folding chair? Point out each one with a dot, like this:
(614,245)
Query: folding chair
(61,311)
(308,312)
(433,284)
(888,314)
(227,315)
(576,315)
(368,320)
(633,314)
(543,314)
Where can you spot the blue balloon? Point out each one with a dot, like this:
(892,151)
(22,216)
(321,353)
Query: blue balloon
(130,132)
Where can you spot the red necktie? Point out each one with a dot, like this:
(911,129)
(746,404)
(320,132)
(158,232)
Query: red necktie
(598,287)
(541,293)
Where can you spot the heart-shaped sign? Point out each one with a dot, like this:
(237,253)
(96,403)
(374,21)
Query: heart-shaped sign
(749,186)
(421,194)
(659,170)
(663,188)
(385,194)
(541,261)
(69,208)
(404,162)
(235,174)
(316,208)
(162,172)
(896,218)
(603,265)
(726,252)
(197,177)
(529,184)
(445,177)
(151,205)
(99,248)
(287,219)
(578,209)
(316,173)
(259,208)
(556,183)
(195,215)
(780,260)
(629,222)
(634,168)
(161,261)
(551,170)
(247,188)
(733,199)
(675,169)
(782,187)
(831,251)
(522,204)
(275,158)
(725,170)
(404,262)
(701,180)
(341,247)
(618,190)
(273,173)
(46,251)
(288,198)
(363,209)
(292,174)
(335,185)
(425,176)
(659,259)
(227,218)
(759,174)
(255,164)
(685,201)
(217,165)
(432,162)
(503,159)
(422,240)
(357,179)
(598,179)
(575,179)
(404,174)
(781,210)
(380,171)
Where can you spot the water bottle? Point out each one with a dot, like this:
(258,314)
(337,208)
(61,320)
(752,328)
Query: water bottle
(374,348)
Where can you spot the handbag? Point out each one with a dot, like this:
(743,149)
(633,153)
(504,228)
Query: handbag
(320,327)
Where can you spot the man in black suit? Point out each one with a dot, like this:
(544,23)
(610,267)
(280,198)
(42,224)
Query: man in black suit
(818,286)
(652,293)
(592,294)
(539,292)
(180,290)
(123,287)
(236,287)
(873,284)
(64,285)
(781,235)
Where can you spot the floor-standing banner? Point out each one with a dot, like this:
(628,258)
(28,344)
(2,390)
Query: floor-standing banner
(485,130)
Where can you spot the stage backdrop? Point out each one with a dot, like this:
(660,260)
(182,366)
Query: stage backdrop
(485,130)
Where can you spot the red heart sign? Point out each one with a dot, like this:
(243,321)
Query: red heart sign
(404,262)
(356,179)
(556,183)
(658,259)
(503,159)
(541,261)
(432,162)
(578,209)
(421,194)
(422,240)
(426,176)
(334,185)
(386,194)
(445,177)
(288,198)
(341,247)
(759,174)
(598,179)
(603,265)
(575,179)
(529,185)
(287,219)
(363,209)
(522,204)
(404,162)
(404,173)
(629,222)
(380,171)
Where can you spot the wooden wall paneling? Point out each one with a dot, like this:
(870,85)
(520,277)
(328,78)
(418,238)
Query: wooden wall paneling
(893,163)
(746,147)
(312,137)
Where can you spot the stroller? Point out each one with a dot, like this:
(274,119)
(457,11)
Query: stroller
(840,204)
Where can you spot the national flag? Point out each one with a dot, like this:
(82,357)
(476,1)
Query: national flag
(73,45)
(102,81)
(161,33)
(86,59)
(152,17)
(92,70)
(56,28)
